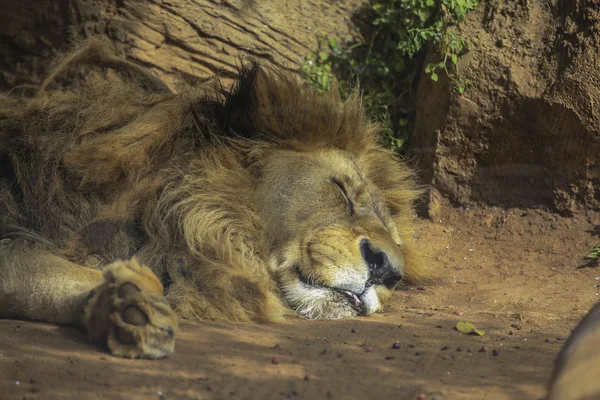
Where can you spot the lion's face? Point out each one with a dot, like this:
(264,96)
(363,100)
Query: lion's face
(333,244)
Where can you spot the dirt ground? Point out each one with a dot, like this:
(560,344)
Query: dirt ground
(512,273)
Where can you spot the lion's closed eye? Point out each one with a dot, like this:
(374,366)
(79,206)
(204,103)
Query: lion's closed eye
(342,188)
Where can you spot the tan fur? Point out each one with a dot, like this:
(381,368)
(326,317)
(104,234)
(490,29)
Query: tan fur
(242,202)
(577,366)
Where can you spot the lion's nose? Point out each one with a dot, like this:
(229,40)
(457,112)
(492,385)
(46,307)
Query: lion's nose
(380,268)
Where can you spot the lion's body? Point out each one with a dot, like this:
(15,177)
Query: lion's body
(576,368)
(212,191)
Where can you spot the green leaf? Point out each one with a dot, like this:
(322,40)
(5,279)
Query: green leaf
(356,342)
(423,15)
(333,44)
(431,67)
(594,253)
(378,8)
(461,89)
(469,329)
(454,59)
(434,77)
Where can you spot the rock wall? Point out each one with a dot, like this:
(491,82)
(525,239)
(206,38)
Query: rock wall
(527,132)
(175,38)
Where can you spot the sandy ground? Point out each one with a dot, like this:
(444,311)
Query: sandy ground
(512,273)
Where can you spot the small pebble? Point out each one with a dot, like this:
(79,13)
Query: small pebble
(516,326)
(458,349)
(560,338)
(275,360)
(500,43)
(306,378)
(511,333)
(420,287)
(353,330)
(396,345)
(547,340)
(421,397)
(459,313)
(444,348)
(483,349)
(369,349)
(417,353)
(390,358)
(495,352)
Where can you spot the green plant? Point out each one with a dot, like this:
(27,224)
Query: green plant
(388,62)
(593,258)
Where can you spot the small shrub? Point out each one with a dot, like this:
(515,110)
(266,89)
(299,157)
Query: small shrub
(389,61)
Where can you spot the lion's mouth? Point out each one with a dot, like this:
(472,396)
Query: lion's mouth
(354,298)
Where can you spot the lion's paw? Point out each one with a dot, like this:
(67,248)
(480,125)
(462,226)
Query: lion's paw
(129,313)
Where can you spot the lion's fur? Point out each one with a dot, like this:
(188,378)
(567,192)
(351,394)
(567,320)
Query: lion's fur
(119,167)
(576,368)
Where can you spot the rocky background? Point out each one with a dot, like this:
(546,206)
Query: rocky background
(178,38)
(525,134)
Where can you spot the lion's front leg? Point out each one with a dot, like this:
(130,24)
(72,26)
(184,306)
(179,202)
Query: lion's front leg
(122,306)
(225,286)
(129,313)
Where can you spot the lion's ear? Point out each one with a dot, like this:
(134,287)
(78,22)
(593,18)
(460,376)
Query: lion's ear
(272,103)
(242,102)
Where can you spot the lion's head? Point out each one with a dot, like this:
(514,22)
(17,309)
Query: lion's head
(334,243)
(336,206)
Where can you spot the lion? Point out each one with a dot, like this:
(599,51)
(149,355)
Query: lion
(126,207)
(576,368)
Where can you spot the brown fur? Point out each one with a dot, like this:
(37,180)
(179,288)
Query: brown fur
(214,190)
(576,369)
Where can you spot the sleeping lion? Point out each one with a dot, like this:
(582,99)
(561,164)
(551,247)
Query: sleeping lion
(124,206)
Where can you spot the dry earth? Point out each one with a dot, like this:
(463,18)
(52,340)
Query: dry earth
(512,273)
